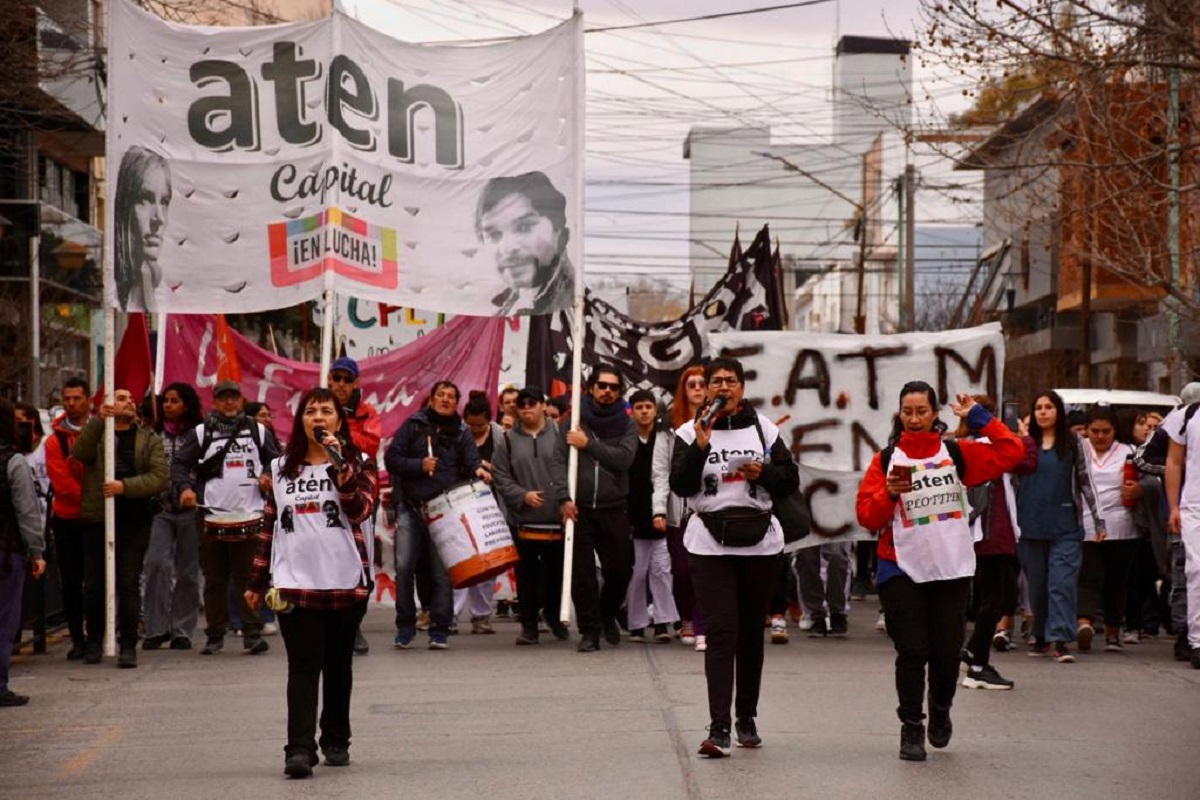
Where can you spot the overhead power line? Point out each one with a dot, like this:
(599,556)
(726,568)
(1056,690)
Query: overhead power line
(706,17)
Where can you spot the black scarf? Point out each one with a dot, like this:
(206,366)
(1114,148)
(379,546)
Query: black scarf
(448,428)
(607,422)
(223,426)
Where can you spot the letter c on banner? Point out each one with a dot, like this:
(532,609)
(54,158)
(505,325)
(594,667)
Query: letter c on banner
(829,487)
(355,320)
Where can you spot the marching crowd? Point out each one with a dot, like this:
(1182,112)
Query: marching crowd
(1071,528)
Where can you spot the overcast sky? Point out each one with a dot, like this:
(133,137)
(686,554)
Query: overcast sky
(648,87)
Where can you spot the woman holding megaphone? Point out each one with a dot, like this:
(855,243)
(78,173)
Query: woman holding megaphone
(313,550)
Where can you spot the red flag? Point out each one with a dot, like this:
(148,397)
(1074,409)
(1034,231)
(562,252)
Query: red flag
(134,367)
(228,367)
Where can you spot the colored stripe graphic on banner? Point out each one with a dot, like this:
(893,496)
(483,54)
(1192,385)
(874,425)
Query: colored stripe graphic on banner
(303,249)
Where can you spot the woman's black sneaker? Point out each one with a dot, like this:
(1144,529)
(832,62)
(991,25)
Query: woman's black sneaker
(747,733)
(717,743)
(940,726)
(912,741)
(299,764)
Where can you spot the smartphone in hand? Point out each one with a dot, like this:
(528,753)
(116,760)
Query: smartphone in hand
(902,473)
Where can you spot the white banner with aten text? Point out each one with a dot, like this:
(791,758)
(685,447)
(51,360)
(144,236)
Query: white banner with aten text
(837,394)
(251,168)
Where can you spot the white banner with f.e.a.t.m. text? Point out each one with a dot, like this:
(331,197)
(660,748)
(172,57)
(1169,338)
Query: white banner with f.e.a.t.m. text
(835,395)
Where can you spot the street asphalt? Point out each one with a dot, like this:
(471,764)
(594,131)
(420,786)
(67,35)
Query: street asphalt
(486,719)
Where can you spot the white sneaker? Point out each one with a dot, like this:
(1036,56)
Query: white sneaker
(806,623)
(881,623)
(701,643)
(1131,637)
(779,634)
(270,629)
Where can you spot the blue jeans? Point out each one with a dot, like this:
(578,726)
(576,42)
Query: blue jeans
(1052,575)
(412,539)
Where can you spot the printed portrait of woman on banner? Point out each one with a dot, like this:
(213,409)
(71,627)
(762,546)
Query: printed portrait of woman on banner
(140,220)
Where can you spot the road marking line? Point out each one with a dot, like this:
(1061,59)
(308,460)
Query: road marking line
(83,759)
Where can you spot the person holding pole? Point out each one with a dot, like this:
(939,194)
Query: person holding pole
(606,440)
(363,429)
(728,466)
(141,474)
(326,490)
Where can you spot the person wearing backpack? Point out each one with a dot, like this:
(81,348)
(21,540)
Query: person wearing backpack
(1182,480)
(914,491)
(222,468)
(994,525)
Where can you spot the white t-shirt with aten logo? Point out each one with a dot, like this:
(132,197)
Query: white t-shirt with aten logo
(313,543)
(722,487)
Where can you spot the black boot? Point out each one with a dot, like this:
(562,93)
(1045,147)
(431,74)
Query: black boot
(912,741)
(589,643)
(940,726)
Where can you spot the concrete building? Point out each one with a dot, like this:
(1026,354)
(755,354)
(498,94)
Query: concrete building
(819,199)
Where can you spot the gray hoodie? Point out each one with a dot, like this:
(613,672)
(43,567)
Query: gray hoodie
(25,503)
(524,463)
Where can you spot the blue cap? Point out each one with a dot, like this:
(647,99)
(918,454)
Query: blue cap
(345,364)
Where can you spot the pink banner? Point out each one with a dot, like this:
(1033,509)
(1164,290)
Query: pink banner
(466,351)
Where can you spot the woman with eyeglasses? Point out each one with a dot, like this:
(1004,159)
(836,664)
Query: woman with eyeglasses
(312,547)
(691,393)
(914,492)
(729,465)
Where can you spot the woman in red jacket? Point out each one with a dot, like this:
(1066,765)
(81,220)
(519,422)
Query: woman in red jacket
(914,491)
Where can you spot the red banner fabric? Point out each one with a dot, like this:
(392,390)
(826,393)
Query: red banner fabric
(466,351)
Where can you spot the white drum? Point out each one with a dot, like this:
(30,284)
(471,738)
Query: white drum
(470,533)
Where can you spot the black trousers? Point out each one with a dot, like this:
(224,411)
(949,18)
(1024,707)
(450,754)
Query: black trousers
(68,542)
(224,563)
(785,589)
(995,597)
(605,532)
(1141,605)
(735,592)
(1104,580)
(539,575)
(133,537)
(925,622)
(320,644)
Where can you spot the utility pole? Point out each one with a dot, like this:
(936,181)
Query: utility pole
(1177,368)
(910,247)
(860,317)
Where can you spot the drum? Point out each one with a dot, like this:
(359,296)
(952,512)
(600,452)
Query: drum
(470,533)
(233,526)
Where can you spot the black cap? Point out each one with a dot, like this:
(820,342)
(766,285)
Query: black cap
(530,393)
